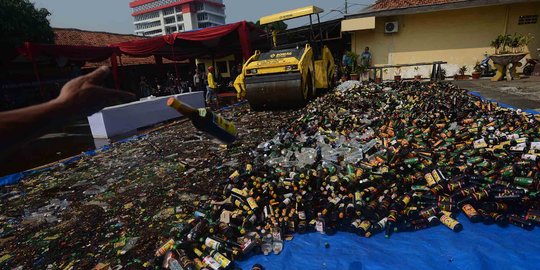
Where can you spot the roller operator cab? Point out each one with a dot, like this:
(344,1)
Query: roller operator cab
(288,75)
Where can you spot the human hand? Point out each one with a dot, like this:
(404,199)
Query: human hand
(84,95)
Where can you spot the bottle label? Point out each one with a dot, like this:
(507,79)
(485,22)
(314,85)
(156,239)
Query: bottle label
(234,174)
(161,251)
(436,176)
(225,125)
(365,224)
(469,210)
(287,201)
(252,203)
(319,226)
(448,221)
(211,243)
(481,143)
(429,179)
(382,222)
(222,260)
(535,145)
(212,263)
(247,245)
(225,217)
(301,215)
(406,199)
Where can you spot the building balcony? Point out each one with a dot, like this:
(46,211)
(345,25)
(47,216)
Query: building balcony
(147,20)
(156,27)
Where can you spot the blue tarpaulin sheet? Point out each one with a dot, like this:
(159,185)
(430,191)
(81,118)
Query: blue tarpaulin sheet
(504,105)
(478,246)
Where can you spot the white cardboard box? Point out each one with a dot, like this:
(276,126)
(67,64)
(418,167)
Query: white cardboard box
(126,118)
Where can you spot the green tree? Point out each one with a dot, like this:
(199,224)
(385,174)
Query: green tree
(20,21)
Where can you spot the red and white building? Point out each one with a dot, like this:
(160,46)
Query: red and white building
(161,17)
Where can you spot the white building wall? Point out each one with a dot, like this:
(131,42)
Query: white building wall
(189,22)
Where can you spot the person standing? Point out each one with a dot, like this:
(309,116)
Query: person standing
(198,81)
(346,61)
(240,85)
(211,88)
(365,61)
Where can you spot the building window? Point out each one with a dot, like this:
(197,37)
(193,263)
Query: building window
(146,16)
(170,30)
(217,19)
(148,25)
(180,27)
(169,20)
(199,6)
(205,25)
(180,17)
(202,16)
(528,19)
(151,33)
(168,11)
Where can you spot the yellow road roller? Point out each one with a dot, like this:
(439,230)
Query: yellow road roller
(288,75)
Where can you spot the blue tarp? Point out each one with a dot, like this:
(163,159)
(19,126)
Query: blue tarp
(504,105)
(478,246)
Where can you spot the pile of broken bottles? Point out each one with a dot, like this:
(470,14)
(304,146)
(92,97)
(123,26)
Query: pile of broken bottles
(365,159)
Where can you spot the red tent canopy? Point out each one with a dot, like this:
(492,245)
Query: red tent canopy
(216,41)
(208,42)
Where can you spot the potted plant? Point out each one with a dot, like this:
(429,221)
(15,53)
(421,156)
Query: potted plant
(417,77)
(344,74)
(361,70)
(461,74)
(477,73)
(397,74)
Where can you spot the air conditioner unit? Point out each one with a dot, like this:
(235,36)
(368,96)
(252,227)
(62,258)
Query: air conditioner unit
(391,27)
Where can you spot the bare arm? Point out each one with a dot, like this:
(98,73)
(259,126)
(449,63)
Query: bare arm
(81,96)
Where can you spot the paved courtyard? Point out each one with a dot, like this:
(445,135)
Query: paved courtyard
(524,93)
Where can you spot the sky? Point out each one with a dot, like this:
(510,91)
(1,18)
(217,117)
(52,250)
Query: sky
(115,15)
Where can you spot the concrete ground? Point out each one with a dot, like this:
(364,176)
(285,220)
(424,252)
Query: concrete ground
(523,94)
